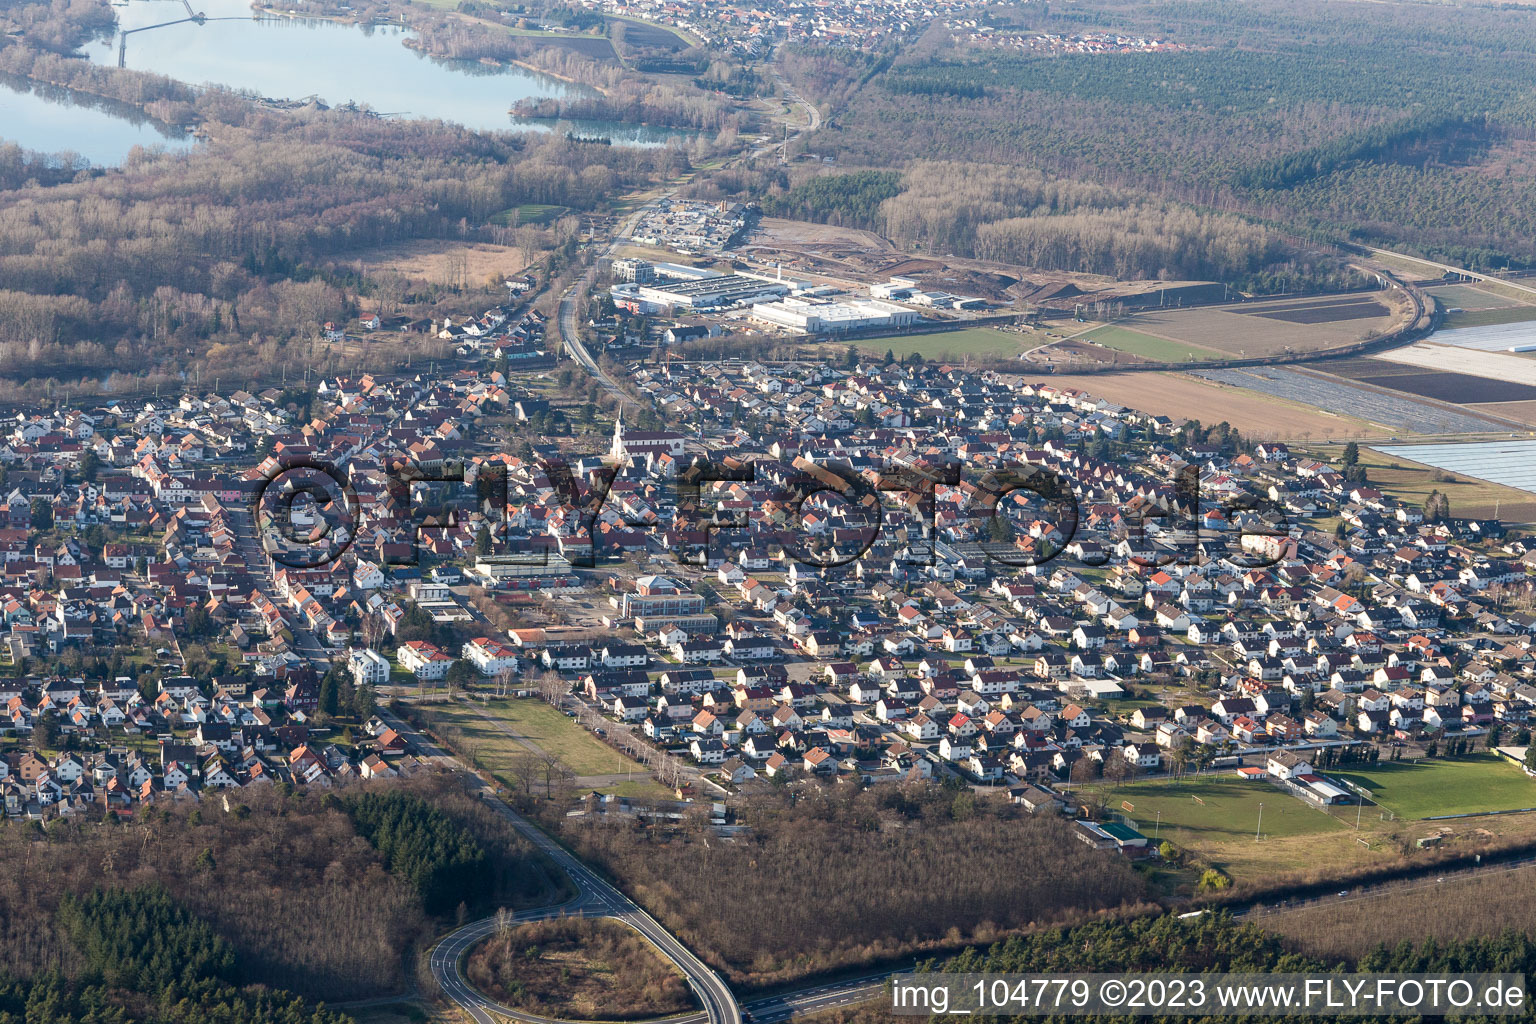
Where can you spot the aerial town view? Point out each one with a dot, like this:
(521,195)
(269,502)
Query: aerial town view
(720,512)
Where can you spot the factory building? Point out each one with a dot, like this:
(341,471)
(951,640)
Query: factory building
(654,286)
(826,317)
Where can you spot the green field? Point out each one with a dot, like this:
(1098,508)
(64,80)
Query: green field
(972,341)
(1123,339)
(1489,317)
(528,213)
(541,724)
(1230,810)
(1468,785)
(1467,297)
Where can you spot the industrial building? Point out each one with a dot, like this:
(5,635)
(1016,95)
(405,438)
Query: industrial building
(825,317)
(656,286)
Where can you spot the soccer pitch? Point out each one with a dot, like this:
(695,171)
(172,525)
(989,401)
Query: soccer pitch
(1214,808)
(1467,785)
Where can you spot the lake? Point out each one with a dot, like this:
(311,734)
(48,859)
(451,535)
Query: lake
(49,119)
(287,58)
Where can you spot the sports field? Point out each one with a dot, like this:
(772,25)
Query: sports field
(1161,350)
(1210,809)
(1467,785)
(971,341)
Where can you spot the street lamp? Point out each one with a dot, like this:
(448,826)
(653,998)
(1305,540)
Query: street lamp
(1260,825)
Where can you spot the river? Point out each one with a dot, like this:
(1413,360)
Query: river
(285,58)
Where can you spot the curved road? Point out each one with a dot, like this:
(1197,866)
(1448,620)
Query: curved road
(595,897)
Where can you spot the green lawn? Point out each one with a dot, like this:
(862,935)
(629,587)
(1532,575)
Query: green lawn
(528,213)
(1123,339)
(1230,811)
(1468,785)
(976,341)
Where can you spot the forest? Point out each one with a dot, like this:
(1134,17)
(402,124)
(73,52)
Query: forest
(141,956)
(224,251)
(243,871)
(441,860)
(839,878)
(1330,123)
(1216,942)
(1028,218)
(843,199)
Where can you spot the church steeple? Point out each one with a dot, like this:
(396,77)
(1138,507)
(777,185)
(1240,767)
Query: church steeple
(617,451)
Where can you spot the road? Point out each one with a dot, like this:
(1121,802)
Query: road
(567,318)
(595,898)
(250,549)
(1462,271)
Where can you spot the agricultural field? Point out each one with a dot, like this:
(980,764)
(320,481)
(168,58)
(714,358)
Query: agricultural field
(1484,366)
(1392,412)
(1466,318)
(1182,396)
(1271,327)
(1493,337)
(649,35)
(1321,312)
(1508,463)
(1469,298)
(1147,346)
(971,341)
(1435,383)
(1471,785)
